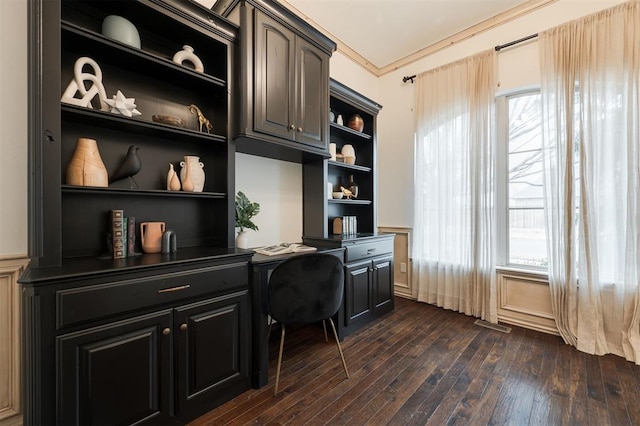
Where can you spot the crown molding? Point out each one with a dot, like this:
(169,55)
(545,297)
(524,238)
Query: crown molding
(486,25)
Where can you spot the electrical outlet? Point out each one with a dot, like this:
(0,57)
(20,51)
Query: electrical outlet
(403,267)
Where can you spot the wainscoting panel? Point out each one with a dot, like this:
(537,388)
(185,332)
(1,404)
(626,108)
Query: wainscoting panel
(10,270)
(524,300)
(401,260)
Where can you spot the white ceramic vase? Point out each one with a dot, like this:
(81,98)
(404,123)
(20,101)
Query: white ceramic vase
(187,55)
(242,240)
(192,174)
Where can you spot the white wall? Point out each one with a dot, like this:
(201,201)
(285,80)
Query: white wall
(518,67)
(277,187)
(13,128)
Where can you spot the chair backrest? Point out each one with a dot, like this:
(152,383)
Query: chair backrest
(306,288)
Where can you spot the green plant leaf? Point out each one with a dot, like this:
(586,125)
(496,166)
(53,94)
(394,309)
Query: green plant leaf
(245,210)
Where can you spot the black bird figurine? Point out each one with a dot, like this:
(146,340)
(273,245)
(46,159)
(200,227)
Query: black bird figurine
(130,166)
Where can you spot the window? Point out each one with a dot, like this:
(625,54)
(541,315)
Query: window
(522,238)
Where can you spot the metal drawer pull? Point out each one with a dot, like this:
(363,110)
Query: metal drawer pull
(371,250)
(169,290)
(166,331)
(183,327)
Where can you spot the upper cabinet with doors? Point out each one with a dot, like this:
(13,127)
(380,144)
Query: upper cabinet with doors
(283,102)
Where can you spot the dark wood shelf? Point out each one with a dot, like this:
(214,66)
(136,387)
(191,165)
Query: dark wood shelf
(140,192)
(349,131)
(133,125)
(344,201)
(132,57)
(349,166)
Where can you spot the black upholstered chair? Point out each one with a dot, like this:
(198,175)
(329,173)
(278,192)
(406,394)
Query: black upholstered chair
(306,289)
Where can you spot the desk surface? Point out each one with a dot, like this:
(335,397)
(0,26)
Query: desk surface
(259,259)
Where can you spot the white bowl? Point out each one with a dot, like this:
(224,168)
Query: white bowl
(337,195)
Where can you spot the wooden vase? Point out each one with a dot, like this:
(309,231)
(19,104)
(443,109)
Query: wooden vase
(86,167)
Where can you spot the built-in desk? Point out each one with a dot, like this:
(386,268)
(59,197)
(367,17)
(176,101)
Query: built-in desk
(261,267)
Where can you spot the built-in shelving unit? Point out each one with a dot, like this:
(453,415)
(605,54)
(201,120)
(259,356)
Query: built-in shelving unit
(320,209)
(368,256)
(153,338)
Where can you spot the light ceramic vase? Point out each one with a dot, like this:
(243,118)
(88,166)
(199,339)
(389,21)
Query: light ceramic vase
(151,236)
(86,167)
(242,240)
(187,55)
(120,29)
(173,183)
(192,174)
(349,154)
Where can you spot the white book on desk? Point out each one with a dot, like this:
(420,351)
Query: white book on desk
(284,248)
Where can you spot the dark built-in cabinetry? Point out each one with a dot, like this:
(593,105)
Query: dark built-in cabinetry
(283,106)
(152,338)
(152,343)
(162,338)
(368,256)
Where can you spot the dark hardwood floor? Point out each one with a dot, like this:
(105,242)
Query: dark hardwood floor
(425,365)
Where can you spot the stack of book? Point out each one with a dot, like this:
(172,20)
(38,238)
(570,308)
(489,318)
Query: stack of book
(121,237)
(345,225)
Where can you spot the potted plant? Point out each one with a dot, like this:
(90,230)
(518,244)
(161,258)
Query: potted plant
(245,210)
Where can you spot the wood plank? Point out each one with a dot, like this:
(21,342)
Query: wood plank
(596,401)
(616,405)
(424,365)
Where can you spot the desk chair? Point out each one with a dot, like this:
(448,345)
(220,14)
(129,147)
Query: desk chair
(305,289)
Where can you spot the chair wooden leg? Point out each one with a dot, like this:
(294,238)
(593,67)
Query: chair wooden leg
(275,391)
(324,326)
(344,364)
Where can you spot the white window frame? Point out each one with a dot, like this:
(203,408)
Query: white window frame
(502,183)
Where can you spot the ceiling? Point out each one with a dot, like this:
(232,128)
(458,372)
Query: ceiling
(384,34)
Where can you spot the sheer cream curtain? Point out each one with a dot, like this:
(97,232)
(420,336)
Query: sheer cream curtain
(453,244)
(591,113)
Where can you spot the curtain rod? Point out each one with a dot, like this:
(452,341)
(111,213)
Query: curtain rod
(408,77)
(520,40)
(498,48)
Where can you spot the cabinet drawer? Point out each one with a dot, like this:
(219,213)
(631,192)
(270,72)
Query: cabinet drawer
(98,301)
(368,249)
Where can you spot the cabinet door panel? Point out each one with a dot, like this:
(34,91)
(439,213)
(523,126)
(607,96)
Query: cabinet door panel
(357,291)
(213,349)
(313,95)
(383,279)
(274,79)
(116,374)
